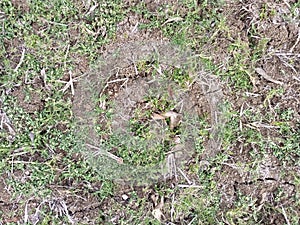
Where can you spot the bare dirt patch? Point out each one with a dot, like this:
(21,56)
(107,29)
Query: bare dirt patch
(14,50)
(7,206)
(21,5)
(29,98)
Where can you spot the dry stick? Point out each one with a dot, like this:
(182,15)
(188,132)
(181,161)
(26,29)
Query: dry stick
(285,54)
(26,213)
(190,223)
(69,83)
(248,94)
(285,216)
(135,27)
(21,60)
(261,72)
(241,115)
(66,55)
(118,80)
(23,162)
(44,75)
(189,186)
(258,125)
(172,211)
(296,78)
(110,155)
(66,211)
(185,176)
(92,9)
(134,65)
(174,19)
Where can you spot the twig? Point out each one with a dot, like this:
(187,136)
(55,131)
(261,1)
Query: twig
(26,213)
(288,5)
(21,60)
(158,69)
(241,115)
(66,211)
(231,165)
(117,80)
(66,55)
(185,176)
(69,83)
(92,9)
(258,125)
(174,19)
(135,27)
(189,186)
(263,73)
(285,216)
(110,155)
(23,162)
(248,94)
(296,78)
(107,80)
(190,223)
(172,211)
(285,54)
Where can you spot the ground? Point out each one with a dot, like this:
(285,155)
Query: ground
(149,112)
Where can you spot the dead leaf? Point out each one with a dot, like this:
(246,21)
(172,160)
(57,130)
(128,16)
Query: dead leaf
(157,212)
(175,118)
(154,198)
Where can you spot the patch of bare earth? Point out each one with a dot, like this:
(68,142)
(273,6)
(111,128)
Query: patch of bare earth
(7,206)
(21,5)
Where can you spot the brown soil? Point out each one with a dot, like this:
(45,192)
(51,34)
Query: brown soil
(7,206)
(35,103)
(13,50)
(21,5)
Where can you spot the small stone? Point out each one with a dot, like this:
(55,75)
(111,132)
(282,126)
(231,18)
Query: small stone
(125,197)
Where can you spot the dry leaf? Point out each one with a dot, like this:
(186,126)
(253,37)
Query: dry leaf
(157,213)
(175,118)
(154,198)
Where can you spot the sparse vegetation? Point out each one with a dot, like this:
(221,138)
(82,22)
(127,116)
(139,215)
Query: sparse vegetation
(251,49)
